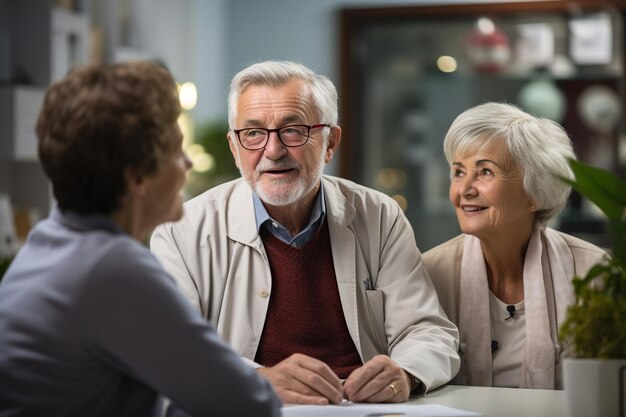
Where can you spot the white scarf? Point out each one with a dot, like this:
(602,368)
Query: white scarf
(548,291)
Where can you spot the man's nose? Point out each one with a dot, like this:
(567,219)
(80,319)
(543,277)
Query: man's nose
(274,148)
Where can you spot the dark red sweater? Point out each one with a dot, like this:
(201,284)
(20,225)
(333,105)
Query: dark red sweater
(305,314)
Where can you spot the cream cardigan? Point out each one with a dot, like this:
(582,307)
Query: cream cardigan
(552,260)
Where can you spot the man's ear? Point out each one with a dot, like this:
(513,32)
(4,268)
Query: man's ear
(231,144)
(333,142)
(135,183)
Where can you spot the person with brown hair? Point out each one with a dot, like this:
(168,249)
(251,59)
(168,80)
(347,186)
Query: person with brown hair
(91,324)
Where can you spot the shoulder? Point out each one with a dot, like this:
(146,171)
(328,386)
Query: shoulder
(585,254)
(124,268)
(578,244)
(575,244)
(444,251)
(358,196)
(124,257)
(216,197)
(352,189)
(208,211)
(443,262)
(371,215)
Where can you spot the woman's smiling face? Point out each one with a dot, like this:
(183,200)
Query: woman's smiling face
(488,195)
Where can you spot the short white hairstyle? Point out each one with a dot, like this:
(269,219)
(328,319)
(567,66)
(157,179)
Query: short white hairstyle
(540,148)
(278,73)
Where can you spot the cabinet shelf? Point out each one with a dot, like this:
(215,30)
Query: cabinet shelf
(21,105)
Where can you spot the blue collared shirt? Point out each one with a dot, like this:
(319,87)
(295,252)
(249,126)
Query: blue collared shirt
(318,213)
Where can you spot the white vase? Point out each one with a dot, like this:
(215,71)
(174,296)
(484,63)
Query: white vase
(595,387)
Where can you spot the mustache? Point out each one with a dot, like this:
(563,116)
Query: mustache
(280,164)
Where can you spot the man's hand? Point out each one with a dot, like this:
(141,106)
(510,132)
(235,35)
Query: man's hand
(379,380)
(301,379)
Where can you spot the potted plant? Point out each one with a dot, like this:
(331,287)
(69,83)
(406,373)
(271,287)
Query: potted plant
(211,138)
(595,326)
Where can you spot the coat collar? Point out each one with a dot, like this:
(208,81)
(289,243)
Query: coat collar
(339,210)
(241,220)
(242,223)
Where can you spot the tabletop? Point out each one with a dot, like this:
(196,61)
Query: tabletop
(499,402)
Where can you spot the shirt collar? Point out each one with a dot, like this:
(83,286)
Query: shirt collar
(79,221)
(317,215)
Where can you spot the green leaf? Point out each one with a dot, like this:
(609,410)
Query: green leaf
(595,271)
(617,229)
(602,187)
(594,326)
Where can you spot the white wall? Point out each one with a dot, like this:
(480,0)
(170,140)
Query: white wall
(172,37)
(236,33)
(210,47)
(154,29)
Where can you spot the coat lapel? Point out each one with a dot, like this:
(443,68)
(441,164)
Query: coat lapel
(339,215)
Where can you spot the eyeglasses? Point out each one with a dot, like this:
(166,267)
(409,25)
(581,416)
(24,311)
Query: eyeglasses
(256,138)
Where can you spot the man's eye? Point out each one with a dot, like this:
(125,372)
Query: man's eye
(254,133)
(293,130)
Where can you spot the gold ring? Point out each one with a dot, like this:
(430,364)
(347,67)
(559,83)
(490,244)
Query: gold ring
(393,388)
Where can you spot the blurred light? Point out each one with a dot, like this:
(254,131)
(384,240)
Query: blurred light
(486,25)
(401,200)
(188,95)
(194,149)
(446,64)
(186,128)
(391,178)
(201,160)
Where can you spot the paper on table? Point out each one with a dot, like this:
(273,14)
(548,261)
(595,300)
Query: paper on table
(375,410)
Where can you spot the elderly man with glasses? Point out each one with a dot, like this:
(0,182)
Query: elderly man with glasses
(313,279)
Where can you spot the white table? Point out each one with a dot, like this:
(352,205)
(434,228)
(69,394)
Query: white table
(499,402)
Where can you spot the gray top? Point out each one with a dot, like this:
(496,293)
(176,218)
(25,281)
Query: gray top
(91,325)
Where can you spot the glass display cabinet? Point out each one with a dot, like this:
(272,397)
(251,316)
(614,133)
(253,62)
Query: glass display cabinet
(407,72)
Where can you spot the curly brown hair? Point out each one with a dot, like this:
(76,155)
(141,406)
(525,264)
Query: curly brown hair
(100,122)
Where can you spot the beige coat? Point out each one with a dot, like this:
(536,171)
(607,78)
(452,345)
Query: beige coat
(216,255)
(444,266)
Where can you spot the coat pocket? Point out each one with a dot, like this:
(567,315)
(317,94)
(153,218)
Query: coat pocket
(376,312)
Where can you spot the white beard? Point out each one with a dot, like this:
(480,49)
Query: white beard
(284,192)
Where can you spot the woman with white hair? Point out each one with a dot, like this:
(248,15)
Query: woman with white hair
(506,281)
